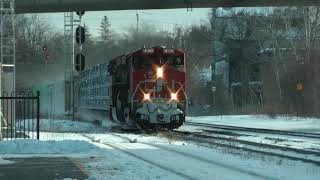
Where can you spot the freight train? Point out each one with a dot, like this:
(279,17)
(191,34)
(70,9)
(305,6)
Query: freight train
(144,89)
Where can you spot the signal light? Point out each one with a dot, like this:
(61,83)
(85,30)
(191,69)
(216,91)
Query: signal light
(47,54)
(44,48)
(80,35)
(80,62)
(80,13)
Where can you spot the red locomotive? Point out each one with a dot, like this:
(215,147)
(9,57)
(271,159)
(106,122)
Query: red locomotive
(147,88)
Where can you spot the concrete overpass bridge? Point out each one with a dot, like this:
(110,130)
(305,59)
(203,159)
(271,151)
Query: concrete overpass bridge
(41,6)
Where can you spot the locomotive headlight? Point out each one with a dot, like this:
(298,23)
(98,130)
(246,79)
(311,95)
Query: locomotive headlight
(160,72)
(146,97)
(174,96)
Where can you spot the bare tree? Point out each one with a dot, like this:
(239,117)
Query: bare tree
(32,33)
(294,41)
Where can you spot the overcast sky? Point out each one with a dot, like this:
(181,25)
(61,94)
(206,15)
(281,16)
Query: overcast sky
(122,20)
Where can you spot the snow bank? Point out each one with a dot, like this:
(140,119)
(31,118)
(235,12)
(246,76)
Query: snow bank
(45,147)
(2,161)
(61,126)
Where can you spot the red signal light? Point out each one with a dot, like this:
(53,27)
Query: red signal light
(48,56)
(44,48)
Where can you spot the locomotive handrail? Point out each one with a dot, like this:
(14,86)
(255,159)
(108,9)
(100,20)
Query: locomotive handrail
(185,94)
(134,94)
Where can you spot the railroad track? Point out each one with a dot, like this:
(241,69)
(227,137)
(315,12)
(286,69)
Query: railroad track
(126,151)
(306,156)
(255,130)
(177,152)
(290,153)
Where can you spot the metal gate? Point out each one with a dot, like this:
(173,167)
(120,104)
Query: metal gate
(20,115)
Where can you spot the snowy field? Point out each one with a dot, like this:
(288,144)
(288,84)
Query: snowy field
(311,125)
(109,155)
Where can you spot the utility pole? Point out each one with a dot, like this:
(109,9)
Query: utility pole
(137,20)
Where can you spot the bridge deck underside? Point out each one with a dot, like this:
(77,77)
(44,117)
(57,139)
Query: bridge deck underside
(23,6)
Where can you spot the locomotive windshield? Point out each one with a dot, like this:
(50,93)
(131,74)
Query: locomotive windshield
(143,62)
(174,61)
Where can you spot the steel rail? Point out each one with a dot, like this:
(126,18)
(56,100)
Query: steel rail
(196,137)
(256,130)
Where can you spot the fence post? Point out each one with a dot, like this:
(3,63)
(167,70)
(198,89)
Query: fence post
(1,94)
(0,119)
(38,115)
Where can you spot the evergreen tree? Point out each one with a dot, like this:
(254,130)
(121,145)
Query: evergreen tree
(105,30)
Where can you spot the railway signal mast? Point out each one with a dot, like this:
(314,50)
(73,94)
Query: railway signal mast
(69,48)
(7,54)
(8,44)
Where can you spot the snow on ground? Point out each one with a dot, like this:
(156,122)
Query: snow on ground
(280,123)
(260,121)
(274,139)
(46,147)
(196,162)
(2,161)
(53,125)
(140,156)
(287,141)
(124,138)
